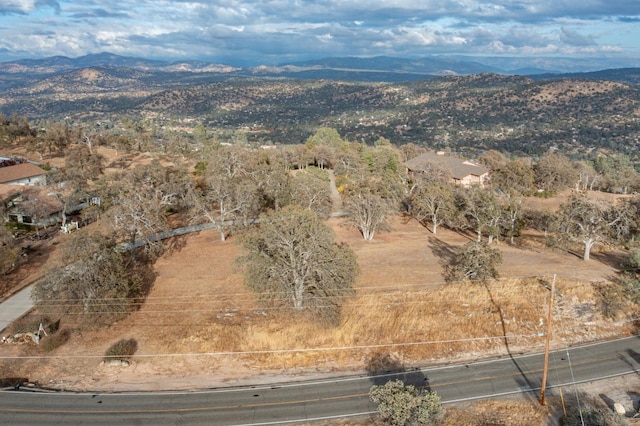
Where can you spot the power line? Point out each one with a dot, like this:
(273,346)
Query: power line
(248,293)
(259,309)
(277,351)
(233,303)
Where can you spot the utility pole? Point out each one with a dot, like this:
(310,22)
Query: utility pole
(546,349)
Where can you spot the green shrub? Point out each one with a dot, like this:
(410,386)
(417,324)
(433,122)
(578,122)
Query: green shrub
(400,404)
(121,350)
(19,226)
(544,194)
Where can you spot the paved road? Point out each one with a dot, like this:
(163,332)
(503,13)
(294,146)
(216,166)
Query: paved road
(15,306)
(302,402)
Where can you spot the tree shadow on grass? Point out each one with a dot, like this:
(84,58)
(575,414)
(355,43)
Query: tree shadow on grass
(634,396)
(147,276)
(525,383)
(175,244)
(611,259)
(382,367)
(446,253)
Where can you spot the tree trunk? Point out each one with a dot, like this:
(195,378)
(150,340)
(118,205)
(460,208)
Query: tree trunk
(298,292)
(588,244)
(133,247)
(64,214)
(434,220)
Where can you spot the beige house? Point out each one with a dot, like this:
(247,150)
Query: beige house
(461,172)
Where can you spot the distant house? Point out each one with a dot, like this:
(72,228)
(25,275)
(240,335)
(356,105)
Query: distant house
(461,172)
(23,174)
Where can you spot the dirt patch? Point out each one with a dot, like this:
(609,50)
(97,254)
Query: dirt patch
(35,253)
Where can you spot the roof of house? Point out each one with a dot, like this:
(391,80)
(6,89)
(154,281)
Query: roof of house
(27,197)
(19,171)
(458,168)
(7,191)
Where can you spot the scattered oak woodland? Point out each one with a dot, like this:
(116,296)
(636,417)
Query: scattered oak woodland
(291,232)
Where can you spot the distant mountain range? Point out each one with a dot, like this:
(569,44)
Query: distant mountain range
(381,68)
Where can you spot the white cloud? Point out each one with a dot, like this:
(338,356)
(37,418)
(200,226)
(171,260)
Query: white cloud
(266,30)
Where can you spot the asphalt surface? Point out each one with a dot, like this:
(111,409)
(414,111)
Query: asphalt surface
(308,401)
(15,307)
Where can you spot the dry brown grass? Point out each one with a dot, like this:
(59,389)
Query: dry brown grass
(452,321)
(200,321)
(402,314)
(498,413)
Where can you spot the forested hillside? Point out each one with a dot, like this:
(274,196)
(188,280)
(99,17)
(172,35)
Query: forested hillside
(486,111)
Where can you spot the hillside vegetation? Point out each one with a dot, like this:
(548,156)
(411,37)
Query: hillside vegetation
(508,113)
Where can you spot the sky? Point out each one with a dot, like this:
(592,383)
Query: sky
(269,32)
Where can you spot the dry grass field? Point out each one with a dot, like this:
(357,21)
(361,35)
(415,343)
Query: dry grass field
(200,327)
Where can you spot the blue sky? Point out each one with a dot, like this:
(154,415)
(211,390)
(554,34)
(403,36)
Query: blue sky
(277,31)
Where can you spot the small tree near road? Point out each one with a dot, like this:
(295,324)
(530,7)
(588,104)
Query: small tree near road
(292,259)
(400,404)
(98,283)
(475,261)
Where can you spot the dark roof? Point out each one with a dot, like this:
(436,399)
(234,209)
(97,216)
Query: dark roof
(19,171)
(458,168)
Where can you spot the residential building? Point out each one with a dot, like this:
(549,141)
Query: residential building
(461,172)
(23,174)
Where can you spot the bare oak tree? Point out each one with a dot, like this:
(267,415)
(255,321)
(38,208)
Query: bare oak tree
(482,210)
(513,221)
(310,189)
(433,201)
(71,185)
(139,201)
(292,259)
(368,203)
(593,221)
